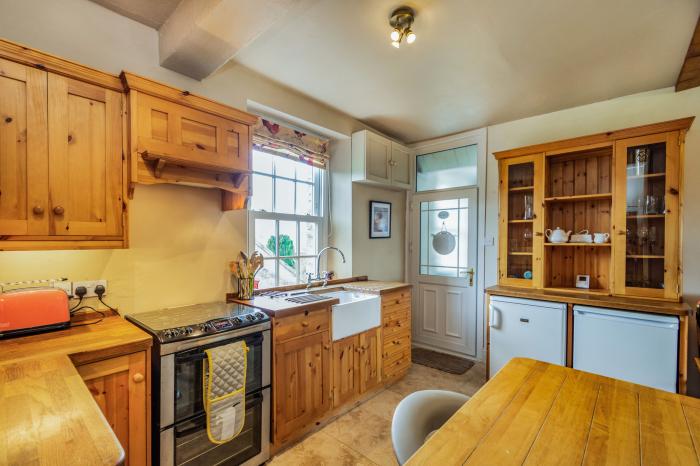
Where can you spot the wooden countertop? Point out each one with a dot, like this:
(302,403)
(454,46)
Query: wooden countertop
(278,307)
(590,299)
(536,413)
(47,414)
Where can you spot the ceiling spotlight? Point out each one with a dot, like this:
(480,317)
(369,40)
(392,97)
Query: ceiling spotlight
(401,20)
(410,37)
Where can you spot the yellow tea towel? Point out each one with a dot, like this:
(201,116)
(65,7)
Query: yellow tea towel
(224,390)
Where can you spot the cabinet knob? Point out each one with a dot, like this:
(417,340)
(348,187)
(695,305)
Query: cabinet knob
(58,210)
(138,377)
(38,210)
(304,324)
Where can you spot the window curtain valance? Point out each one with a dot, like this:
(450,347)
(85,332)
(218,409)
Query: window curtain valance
(277,139)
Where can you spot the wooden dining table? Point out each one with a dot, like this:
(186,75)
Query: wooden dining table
(535,413)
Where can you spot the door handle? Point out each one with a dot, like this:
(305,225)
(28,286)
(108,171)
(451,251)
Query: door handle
(470,272)
(524,320)
(494,317)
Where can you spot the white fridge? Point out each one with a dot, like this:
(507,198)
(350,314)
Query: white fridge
(632,346)
(525,328)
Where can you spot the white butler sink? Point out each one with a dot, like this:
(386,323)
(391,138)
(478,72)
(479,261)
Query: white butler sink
(355,313)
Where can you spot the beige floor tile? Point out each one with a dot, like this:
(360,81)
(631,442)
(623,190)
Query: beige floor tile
(383,404)
(365,432)
(320,449)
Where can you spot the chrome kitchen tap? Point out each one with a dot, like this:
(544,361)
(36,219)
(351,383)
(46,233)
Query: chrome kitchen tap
(324,277)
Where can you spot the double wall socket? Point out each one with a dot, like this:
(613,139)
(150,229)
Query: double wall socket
(90,287)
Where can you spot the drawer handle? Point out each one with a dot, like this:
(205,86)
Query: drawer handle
(396,342)
(304,324)
(138,378)
(524,320)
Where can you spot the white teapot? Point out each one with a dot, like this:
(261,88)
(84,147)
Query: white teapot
(557,236)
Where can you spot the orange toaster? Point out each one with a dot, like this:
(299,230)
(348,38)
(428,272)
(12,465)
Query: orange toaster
(33,310)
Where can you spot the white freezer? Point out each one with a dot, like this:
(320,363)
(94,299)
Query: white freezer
(526,328)
(633,346)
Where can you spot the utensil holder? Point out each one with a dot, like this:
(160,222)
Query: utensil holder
(245,288)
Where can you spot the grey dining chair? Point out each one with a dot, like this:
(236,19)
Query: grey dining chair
(418,416)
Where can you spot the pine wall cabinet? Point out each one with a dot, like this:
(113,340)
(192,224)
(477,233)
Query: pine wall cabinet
(625,184)
(62,174)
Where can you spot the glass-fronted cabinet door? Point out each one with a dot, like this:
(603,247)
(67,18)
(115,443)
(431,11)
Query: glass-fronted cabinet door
(521,221)
(647,204)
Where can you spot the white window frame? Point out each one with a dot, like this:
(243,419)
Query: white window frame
(320,199)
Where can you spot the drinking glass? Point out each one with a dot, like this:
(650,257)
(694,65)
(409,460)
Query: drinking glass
(527,211)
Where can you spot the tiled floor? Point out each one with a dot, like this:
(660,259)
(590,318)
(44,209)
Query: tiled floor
(363,435)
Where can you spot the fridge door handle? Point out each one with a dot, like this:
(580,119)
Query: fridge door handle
(494,316)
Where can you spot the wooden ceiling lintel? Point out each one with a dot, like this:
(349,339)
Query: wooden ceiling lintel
(689,75)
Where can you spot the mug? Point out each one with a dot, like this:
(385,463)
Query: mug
(601,237)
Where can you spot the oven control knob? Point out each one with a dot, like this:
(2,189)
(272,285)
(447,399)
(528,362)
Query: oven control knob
(250,317)
(259,315)
(168,334)
(189,330)
(237,320)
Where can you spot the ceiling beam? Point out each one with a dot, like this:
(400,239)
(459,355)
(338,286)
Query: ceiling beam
(689,76)
(202,35)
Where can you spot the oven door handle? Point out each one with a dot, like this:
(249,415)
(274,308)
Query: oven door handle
(199,356)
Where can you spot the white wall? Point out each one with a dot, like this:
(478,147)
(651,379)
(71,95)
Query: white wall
(380,258)
(180,241)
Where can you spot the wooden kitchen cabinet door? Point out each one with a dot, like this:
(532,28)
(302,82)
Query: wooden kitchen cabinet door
(346,373)
(175,133)
(85,158)
(370,359)
(119,387)
(23,151)
(302,382)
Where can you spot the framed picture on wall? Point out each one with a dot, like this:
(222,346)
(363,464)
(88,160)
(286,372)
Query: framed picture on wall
(379,219)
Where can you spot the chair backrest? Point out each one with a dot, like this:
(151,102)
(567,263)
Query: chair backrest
(420,414)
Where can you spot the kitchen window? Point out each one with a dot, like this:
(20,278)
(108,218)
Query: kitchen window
(286,217)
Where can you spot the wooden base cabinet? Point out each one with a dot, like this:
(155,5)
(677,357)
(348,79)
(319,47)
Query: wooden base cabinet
(396,333)
(356,365)
(302,376)
(120,388)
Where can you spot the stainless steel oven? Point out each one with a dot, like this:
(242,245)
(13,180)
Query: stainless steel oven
(179,420)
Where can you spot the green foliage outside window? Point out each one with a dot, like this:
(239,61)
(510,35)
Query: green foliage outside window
(286,248)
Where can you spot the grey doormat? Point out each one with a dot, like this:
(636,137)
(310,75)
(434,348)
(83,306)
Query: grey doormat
(441,361)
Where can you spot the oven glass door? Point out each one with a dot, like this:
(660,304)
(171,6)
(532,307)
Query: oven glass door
(192,445)
(189,366)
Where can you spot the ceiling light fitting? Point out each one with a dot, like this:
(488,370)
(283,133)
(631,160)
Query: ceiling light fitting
(401,21)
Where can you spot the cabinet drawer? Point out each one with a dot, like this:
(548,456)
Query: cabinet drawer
(396,299)
(396,324)
(397,343)
(304,323)
(397,365)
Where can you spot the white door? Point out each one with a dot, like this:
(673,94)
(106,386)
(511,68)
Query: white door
(444,259)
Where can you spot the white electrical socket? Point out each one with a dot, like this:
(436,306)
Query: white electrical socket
(65,285)
(90,287)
